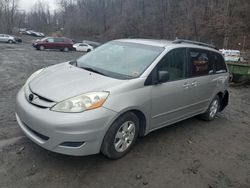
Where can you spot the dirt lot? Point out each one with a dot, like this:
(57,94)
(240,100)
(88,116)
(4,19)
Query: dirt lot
(192,153)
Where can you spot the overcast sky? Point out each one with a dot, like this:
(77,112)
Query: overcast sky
(27,4)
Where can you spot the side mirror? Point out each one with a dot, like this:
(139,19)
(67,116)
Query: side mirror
(46,41)
(162,76)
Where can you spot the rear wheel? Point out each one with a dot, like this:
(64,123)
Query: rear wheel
(121,136)
(88,50)
(212,110)
(65,49)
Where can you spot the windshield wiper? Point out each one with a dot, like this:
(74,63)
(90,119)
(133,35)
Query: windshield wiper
(93,70)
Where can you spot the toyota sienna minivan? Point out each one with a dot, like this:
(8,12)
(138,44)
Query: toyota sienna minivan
(56,43)
(103,101)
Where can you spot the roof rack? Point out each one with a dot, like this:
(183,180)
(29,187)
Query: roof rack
(179,41)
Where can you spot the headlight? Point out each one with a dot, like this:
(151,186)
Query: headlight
(82,102)
(33,76)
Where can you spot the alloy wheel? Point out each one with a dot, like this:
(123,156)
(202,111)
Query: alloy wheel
(214,108)
(124,136)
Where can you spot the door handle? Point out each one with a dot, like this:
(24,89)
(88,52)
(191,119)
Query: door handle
(186,85)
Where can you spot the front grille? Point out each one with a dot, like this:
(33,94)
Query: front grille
(42,98)
(39,106)
(38,100)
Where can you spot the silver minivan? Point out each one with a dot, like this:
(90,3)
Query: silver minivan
(105,100)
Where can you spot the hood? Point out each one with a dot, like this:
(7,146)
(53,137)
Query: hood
(36,41)
(64,81)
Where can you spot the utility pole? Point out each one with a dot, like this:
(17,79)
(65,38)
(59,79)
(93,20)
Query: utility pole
(225,44)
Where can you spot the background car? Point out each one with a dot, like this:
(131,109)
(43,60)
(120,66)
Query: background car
(231,55)
(59,43)
(83,47)
(34,33)
(18,39)
(7,38)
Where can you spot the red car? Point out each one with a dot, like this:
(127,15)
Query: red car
(60,43)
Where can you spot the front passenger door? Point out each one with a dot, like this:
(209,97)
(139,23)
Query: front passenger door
(50,44)
(83,47)
(172,100)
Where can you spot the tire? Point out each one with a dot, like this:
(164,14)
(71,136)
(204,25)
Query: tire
(212,110)
(88,50)
(121,136)
(41,48)
(10,41)
(65,49)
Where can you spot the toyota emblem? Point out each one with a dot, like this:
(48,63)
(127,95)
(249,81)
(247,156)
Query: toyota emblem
(31,97)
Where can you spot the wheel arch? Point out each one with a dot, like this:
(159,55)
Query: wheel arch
(141,117)
(142,121)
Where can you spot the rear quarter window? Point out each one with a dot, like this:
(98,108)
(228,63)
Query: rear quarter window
(219,63)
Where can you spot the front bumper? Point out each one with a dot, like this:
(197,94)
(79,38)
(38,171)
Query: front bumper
(82,132)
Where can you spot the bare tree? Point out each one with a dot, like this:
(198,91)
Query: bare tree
(203,20)
(8,13)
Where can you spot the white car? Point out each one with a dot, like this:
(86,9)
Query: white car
(231,55)
(83,47)
(34,33)
(7,38)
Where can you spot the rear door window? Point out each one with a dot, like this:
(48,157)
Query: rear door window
(58,40)
(175,63)
(200,62)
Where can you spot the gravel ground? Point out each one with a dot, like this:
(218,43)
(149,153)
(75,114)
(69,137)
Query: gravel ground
(192,153)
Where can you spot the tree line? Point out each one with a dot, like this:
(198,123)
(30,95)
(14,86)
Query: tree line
(224,23)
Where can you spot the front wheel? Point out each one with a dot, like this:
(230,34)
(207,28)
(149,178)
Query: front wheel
(10,41)
(121,136)
(41,48)
(212,110)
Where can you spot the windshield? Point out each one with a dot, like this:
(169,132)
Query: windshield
(120,60)
(44,39)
